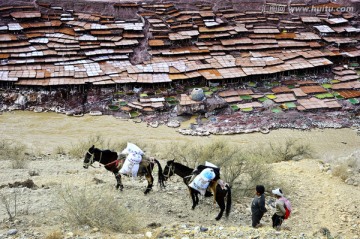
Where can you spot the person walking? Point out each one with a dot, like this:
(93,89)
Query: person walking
(279,214)
(258,206)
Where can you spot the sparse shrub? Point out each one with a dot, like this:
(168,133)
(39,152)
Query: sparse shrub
(96,208)
(345,167)
(9,202)
(54,235)
(16,153)
(341,171)
(241,168)
(79,149)
(291,150)
(60,150)
(33,173)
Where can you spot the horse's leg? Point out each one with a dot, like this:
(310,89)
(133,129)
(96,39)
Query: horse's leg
(119,184)
(193,197)
(197,197)
(150,180)
(220,199)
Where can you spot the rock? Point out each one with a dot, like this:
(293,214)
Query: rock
(197,94)
(203,229)
(12,232)
(173,124)
(21,100)
(148,234)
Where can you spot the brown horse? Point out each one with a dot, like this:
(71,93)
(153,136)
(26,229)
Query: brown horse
(186,173)
(111,162)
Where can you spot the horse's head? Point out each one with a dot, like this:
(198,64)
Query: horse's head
(169,169)
(89,157)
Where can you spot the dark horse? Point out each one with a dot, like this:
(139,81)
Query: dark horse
(185,172)
(111,162)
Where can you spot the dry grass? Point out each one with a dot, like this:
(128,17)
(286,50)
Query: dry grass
(14,152)
(290,150)
(341,171)
(54,235)
(243,169)
(97,207)
(345,167)
(79,148)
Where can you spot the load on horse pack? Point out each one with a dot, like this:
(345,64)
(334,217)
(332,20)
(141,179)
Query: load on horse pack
(222,195)
(111,162)
(132,161)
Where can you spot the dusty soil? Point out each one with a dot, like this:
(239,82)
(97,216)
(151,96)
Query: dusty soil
(320,200)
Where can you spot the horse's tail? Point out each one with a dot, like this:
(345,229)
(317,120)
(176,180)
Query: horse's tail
(228,201)
(161,177)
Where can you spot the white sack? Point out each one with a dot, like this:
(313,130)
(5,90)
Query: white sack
(131,164)
(132,148)
(201,181)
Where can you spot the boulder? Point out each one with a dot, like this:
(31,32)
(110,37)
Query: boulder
(21,100)
(197,94)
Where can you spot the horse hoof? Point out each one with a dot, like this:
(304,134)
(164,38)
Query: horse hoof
(218,218)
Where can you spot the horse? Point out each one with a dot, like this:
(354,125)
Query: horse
(186,174)
(111,162)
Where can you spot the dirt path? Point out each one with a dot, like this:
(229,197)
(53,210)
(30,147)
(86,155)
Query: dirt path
(319,200)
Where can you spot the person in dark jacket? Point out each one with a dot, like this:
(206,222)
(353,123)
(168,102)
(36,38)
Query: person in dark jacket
(258,206)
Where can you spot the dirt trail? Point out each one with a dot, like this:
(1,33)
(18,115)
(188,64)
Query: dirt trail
(319,199)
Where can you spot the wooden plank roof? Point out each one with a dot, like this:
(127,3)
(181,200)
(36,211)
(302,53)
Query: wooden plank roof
(186,100)
(349,93)
(25,14)
(312,103)
(312,89)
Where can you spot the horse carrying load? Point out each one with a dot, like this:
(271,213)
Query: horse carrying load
(113,164)
(219,190)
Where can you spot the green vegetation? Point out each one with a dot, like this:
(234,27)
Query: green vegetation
(234,107)
(324,95)
(271,97)
(245,97)
(249,109)
(334,81)
(290,105)
(327,86)
(353,101)
(113,107)
(123,103)
(251,84)
(208,93)
(134,114)
(214,88)
(276,110)
(262,99)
